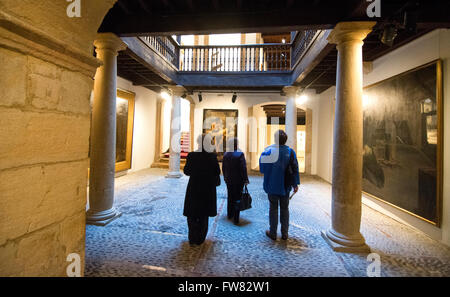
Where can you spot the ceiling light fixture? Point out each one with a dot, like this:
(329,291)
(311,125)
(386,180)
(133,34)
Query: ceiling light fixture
(166,96)
(233,99)
(388,35)
(301,99)
(200,97)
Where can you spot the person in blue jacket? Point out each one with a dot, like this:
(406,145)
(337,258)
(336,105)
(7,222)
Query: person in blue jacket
(274,163)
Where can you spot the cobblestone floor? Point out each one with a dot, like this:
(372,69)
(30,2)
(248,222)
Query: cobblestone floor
(150,238)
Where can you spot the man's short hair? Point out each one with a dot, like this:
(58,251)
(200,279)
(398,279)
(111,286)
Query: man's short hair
(280,137)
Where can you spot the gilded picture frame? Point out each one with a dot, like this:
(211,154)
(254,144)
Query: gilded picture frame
(124,129)
(395,85)
(215,122)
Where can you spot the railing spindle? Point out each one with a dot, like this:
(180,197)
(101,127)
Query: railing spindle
(240,58)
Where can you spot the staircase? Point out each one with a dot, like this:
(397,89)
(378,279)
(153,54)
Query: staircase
(163,161)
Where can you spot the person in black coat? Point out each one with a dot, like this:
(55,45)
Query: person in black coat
(234,169)
(200,201)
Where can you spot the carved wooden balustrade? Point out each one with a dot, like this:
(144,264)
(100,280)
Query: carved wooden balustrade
(267,57)
(166,46)
(236,58)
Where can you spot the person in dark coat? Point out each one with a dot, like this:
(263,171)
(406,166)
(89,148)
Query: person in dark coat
(200,201)
(234,170)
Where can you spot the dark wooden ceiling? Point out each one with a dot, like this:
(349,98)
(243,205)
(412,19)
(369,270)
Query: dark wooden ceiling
(277,37)
(168,17)
(143,17)
(130,68)
(279,111)
(323,76)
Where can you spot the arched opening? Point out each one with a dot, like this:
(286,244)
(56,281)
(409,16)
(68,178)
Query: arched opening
(269,117)
(278,111)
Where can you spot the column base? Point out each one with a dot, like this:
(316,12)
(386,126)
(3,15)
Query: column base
(174,174)
(341,244)
(102,218)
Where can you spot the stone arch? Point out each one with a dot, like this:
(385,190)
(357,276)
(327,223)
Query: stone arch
(47,78)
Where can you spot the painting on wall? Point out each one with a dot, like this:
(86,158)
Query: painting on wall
(222,125)
(402,141)
(124,129)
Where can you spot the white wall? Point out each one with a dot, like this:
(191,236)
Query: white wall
(144,125)
(313,103)
(432,46)
(325,134)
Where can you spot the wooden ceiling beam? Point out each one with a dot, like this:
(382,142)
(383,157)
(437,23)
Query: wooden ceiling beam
(239,4)
(216,5)
(146,4)
(124,6)
(190,4)
(166,3)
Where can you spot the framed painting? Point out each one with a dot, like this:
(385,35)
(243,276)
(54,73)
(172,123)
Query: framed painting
(124,129)
(222,125)
(402,141)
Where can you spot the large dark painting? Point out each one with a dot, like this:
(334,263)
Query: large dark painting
(221,124)
(402,141)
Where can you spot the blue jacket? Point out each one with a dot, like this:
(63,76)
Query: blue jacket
(275,169)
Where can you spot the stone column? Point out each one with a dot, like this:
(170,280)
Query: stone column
(175,133)
(103,132)
(191,126)
(291,116)
(344,234)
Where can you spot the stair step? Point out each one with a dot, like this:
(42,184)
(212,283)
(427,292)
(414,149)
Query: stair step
(166,160)
(165,165)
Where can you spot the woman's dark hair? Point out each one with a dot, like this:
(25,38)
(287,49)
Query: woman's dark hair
(280,137)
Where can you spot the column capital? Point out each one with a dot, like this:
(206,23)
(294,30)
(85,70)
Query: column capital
(109,41)
(291,91)
(350,31)
(177,90)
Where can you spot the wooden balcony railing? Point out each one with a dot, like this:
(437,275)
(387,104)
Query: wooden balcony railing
(165,46)
(301,41)
(236,58)
(267,57)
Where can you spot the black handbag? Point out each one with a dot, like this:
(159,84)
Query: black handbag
(246,200)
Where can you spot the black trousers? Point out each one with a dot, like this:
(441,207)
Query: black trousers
(198,228)
(283,201)
(234,195)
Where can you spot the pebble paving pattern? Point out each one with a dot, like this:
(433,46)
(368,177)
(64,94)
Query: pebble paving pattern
(150,238)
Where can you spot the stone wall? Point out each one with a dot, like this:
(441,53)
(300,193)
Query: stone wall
(45,85)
